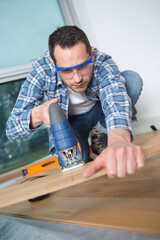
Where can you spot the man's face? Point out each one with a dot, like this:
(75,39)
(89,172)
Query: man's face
(75,78)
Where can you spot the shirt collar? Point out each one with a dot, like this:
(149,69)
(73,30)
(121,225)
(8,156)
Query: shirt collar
(59,80)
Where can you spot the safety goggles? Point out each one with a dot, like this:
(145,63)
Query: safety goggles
(76,66)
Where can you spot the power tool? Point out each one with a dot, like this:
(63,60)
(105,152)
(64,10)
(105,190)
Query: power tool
(67,145)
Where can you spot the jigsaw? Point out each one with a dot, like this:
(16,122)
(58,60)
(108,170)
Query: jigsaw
(67,144)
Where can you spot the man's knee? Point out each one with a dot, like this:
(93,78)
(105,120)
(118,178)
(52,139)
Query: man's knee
(134,84)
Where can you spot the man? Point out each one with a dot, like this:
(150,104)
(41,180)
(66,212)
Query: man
(94,95)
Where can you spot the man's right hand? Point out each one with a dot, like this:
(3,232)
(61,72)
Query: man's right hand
(40,114)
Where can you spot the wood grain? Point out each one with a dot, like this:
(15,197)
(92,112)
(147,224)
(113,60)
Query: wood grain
(53,180)
(131,204)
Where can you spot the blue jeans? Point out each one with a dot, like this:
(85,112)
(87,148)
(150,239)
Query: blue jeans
(83,123)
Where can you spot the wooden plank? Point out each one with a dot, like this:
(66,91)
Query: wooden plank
(10,175)
(131,204)
(54,180)
(140,138)
(151,146)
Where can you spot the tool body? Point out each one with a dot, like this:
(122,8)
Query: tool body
(69,149)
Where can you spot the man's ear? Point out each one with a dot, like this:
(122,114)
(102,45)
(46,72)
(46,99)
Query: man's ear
(92,49)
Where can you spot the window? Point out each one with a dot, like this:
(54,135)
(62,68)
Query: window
(17,153)
(25,28)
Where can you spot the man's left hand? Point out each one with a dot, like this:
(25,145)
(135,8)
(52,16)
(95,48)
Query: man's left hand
(121,157)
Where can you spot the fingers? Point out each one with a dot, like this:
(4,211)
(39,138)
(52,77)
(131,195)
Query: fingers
(94,167)
(45,112)
(102,162)
(131,161)
(119,161)
(140,158)
(54,100)
(111,164)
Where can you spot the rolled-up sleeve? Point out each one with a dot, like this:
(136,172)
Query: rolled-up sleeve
(115,101)
(30,96)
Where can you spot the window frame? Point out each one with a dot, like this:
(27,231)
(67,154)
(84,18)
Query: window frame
(19,72)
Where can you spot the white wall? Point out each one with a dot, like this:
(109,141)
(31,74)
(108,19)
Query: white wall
(128,30)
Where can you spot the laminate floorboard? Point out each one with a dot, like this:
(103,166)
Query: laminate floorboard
(131,204)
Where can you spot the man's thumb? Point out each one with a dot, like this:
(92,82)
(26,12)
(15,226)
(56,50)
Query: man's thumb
(54,100)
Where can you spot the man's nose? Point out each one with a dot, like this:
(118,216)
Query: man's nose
(77,77)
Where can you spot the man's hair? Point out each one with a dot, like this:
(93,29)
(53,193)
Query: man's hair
(67,37)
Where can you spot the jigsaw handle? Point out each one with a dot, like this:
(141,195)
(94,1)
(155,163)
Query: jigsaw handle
(61,130)
(56,114)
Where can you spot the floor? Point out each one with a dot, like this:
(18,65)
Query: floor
(13,228)
(129,205)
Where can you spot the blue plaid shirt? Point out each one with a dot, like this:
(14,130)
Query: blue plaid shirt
(107,85)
